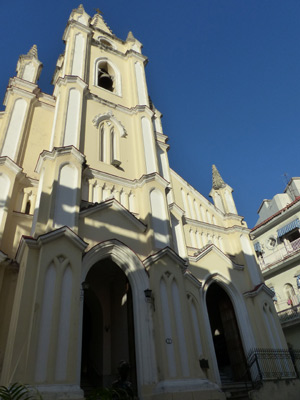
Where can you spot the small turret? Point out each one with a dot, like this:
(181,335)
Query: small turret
(134,43)
(221,193)
(29,67)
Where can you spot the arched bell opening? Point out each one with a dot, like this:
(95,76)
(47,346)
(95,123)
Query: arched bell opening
(226,335)
(105,76)
(108,326)
(28,206)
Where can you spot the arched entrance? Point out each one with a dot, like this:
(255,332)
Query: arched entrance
(108,326)
(226,336)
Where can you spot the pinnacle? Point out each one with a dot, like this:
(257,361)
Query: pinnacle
(217,181)
(130,36)
(33,51)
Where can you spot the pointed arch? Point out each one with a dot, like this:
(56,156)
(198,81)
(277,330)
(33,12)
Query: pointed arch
(240,310)
(134,269)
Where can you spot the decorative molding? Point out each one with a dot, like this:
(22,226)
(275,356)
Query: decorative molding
(110,116)
(257,289)
(217,228)
(11,165)
(133,184)
(211,247)
(56,152)
(166,251)
(113,203)
(175,209)
(48,237)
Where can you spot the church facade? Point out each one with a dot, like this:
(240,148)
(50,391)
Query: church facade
(107,254)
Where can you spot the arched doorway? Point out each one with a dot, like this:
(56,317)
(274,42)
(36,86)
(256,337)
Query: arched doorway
(226,336)
(108,326)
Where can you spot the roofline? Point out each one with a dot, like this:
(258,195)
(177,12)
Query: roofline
(297,199)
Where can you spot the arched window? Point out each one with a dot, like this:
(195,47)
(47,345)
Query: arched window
(290,294)
(107,76)
(27,208)
(102,144)
(109,144)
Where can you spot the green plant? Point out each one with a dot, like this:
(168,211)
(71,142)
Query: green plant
(19,391)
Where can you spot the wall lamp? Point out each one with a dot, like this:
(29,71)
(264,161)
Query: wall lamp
(149,297)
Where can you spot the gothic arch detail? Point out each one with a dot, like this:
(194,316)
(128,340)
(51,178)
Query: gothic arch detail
(133,268)
(110,132)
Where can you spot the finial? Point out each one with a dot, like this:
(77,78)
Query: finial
(98,11)
(33,51)
(217,181)
(130,36)
(80,7)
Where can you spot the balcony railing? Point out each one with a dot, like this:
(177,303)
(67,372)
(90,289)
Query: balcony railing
(271,364)
(291,314)
(280,254)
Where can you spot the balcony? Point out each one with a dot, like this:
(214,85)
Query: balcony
(290,315)
(283,252)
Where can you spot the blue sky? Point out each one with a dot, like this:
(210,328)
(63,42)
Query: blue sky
(224,73)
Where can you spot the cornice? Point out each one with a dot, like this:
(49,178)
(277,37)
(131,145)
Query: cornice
(56,152)
(37,243)
(140,56)
(211,247)
(73,23)
(19,91)
(135,183)
(67,79)
(276,219)
(191,189)
(130,111)
(11,165)
(113,203)
(174,207)
(161,138)
(218,228)
(166,251)
(257,290)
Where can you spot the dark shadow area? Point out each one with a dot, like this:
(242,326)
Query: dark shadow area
(108,327)
(226,336)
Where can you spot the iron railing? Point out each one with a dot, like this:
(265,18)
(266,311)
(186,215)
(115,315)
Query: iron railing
(282,252)
(273,364)
(289,314)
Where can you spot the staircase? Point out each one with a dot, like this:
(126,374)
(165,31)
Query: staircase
(235,390)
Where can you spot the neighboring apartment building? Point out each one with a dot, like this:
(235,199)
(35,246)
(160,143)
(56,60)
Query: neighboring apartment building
(107,254)
(276,238)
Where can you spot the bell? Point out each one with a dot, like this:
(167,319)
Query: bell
(105,80)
